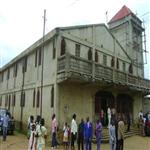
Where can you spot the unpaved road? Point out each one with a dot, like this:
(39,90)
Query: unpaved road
(20,142)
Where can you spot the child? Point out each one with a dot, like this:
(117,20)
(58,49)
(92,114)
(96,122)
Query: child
(32,139)
(66,136)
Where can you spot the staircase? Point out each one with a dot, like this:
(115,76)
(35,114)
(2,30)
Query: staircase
(105,134)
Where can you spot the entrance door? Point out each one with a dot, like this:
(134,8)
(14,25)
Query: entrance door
(103,100)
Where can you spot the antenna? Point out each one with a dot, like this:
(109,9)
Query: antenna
(42,57)
(106,14)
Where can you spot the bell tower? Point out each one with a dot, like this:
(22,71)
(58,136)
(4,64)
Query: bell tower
(127,29)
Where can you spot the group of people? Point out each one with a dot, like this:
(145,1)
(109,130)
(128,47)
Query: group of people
(81,133)
(84,131)
(37,133)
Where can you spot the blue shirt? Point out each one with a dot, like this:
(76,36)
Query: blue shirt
(5,121)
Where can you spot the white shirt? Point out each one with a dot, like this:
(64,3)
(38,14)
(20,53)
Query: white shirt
(73,127)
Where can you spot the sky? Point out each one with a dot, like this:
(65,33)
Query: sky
(21,21)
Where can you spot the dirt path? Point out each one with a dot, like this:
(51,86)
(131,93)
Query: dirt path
(20,142)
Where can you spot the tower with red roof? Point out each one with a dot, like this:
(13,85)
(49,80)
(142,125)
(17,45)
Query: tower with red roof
(127,29)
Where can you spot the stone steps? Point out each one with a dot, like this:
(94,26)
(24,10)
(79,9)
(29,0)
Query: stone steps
(105,134)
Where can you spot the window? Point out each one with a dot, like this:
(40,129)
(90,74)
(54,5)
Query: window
(124,66)
(77,50)
(63,47)
(96,56)
(0,100)
(112,62)
(130,68)
(54,49)
(117,63)
(39,61)
(15,70)
(104,60)
(90,54)
(9,101)
(38,99)
(1,77)
(22,102)
(34,98)
(24,65)
(6,100)
(36,54)
(14,100)
(52,97)
(8,73)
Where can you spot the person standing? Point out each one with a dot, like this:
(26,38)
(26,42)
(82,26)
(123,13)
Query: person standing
(30,123)
(66,136)
(120,133)
(5,125)
(109,116)
(112,136)
(41,133)
(98,132)
(54,131)
(81,135)
(32,139)
(73,131)
(88,134)
(102,117)
(128,121)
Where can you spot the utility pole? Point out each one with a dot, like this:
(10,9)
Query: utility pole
(42,53)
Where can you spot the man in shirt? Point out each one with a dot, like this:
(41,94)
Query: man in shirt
(120,133)
(73,131)
(5,126)
(88,134)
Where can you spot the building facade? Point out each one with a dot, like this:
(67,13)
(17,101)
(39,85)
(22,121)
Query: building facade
(79,69)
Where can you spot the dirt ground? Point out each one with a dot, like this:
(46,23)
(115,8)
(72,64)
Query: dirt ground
(20,142)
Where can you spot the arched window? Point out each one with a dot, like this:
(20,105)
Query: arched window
(117,63)
(90,54)
(112,62)
(14,100)
(96,56)
(54,49)
(22,102)
(63,47)
(39,58)
(52,97)
(6,100)
(0,100)
(9,101)
(130,68)
(38,99)
(34,98)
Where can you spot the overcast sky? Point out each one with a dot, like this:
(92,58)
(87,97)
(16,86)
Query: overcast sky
(21,22)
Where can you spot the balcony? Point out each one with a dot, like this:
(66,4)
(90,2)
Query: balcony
(72,67)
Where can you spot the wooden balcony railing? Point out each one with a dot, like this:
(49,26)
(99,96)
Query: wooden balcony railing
(72,64)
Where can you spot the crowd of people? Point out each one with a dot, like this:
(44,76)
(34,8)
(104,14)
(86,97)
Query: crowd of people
(82,134)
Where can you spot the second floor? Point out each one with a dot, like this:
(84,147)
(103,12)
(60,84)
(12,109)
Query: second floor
(87,47)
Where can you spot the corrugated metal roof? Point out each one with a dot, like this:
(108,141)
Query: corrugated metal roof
(123,12)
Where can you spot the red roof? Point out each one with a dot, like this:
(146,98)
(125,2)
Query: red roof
(123,12)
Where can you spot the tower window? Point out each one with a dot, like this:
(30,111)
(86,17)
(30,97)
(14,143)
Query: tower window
(104,60)
(63,47)
(112,62)
(77,50)
(90,54)
(117,63)
(96,56)
(130,68)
